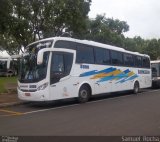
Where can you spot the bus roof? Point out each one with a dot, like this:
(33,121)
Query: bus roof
(93,43)
(155,61)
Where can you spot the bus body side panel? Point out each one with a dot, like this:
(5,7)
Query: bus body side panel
(106,79)
(68,87)
(102,79)
(64,89)
(91,74)
(115,78)
(144,78)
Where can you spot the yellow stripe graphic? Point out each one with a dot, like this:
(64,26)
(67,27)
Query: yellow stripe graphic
(131,73)
(101,75)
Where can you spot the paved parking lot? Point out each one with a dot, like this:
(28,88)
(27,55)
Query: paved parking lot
(120,114)
(31,107)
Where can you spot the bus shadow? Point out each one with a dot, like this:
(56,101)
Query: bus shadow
(68,102)
(110,95)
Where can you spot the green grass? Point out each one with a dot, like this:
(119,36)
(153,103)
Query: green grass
(4,81)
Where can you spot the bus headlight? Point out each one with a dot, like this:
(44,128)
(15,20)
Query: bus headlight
(42,87)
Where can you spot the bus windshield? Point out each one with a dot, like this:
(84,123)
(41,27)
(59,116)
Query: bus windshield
(30,71)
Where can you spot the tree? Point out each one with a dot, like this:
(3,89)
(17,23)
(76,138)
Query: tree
(30,20)
(153,49)
(116,25)
(106,30)
(25,21)
(5,12)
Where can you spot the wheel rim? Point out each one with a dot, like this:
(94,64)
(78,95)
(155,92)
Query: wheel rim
(84,94)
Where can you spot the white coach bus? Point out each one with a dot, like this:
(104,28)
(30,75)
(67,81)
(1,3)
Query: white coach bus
(59,68)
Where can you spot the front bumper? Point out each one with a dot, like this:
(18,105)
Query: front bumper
(32,96)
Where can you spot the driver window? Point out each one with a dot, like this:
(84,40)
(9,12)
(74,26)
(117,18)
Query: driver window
(57,63)
(61,64)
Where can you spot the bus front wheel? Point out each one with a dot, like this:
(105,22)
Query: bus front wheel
(84,94)
(136,87)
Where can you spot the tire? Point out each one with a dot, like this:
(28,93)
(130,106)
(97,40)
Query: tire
(84,94)
(136,88)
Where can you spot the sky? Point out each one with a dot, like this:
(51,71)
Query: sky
(142,16)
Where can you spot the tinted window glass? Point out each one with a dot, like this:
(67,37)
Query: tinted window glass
(146,62)
(85,54)
(65,44)
(128,60)
(138,61)
(117,58)
(60,66)
(68,60)
(62,62)
(154,72)
(57,63)
(102,56)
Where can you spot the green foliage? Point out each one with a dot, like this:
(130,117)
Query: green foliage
(4,81)
(65,15)
(106,30)
(5,11)
(153,49)
(150,47)
(24,21)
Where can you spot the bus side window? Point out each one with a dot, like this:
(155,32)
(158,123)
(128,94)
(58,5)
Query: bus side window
(154,72)
(102,56)
(65,44)
(146,62)
(128,60)
(117,58)
(85,54)
(138,61)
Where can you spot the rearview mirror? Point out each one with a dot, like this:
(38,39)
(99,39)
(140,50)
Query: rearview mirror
(40,55)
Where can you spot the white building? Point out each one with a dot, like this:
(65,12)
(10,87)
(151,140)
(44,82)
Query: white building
(4,54)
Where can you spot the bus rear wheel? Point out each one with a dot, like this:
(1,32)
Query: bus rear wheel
(136,88)
(84,94)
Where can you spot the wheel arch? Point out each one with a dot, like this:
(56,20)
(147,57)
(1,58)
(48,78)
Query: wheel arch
(86,84)
(137,82)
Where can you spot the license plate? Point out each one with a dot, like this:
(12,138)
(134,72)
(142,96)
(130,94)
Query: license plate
(27,94)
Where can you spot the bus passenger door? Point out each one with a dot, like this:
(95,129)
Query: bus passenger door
(61,64)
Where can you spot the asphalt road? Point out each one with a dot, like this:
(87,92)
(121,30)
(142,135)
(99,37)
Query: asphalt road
(127,114)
